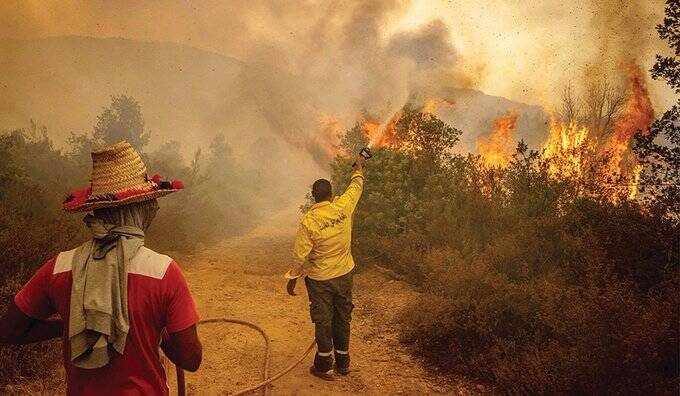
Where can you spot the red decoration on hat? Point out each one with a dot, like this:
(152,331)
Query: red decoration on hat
(177,185)
(156,179)
(77,197)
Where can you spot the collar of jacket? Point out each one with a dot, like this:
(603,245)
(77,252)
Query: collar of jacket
(320,204)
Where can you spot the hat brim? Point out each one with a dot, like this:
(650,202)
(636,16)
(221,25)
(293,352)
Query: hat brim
(88,206)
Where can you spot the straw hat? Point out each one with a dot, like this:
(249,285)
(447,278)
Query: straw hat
(118,178)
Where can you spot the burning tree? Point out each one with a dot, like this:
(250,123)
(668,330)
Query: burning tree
(412,130)
(520,255)
(589,143)
(496,150)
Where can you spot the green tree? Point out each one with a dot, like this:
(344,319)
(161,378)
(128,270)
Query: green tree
(122,121)
(660,149)
(517,268)
(353,140)
(423,135)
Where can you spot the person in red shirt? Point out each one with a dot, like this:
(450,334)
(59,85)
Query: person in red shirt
(112,300)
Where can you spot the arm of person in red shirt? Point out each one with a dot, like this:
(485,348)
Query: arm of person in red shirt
(18,328)
(26,319)
(179,340)
(183,348)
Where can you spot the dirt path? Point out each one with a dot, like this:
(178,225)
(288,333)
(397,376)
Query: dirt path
(241,278)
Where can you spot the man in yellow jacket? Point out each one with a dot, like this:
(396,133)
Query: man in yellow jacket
(323,254)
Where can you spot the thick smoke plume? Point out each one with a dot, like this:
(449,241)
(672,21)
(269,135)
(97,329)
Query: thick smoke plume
(277,72)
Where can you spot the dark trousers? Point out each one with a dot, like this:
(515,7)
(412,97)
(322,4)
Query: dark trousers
(331,311)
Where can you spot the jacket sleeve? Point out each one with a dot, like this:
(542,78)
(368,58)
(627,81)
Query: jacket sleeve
(303,245)
(349,199)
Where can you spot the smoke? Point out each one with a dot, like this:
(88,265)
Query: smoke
(345,65)
(429,47)
(623,30)
(273,71)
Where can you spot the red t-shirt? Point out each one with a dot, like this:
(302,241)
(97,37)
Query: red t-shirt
(158,297)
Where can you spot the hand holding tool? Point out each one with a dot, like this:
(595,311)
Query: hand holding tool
(364,153)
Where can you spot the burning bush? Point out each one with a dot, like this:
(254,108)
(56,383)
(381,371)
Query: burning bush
(528,283)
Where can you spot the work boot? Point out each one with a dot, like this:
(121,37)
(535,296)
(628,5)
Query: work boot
(322,367)
(324,375)
(342,363)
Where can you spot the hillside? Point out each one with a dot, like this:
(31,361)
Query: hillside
(189,94)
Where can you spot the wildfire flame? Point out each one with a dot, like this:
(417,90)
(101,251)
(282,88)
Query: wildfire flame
(496,150)
(327,140)
(571,151)
(566,148)
(381,135)
(384,135)
(430,106)
(570,147)
(633,191)
(638,117)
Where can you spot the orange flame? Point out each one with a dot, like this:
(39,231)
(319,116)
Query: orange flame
(638,117)
(384,135)
(496,150)
(327,141)
(633,191)
(377,134)
(566,148)
(381,135)
(430,106)
(371,130)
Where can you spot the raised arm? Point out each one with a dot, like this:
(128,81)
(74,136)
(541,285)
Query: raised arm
(349,199)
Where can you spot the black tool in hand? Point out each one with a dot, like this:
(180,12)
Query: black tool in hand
(366,153)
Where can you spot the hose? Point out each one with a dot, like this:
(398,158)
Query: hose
(181,383)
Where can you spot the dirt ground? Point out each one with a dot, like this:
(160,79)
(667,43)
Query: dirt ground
(242,278)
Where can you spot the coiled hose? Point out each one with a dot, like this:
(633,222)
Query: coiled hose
(266,379)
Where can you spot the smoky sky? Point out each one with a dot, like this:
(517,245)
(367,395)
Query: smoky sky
(520,50)
(304,59)
(428,47)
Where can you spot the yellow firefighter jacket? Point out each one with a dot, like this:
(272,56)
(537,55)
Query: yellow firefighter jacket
(323,247)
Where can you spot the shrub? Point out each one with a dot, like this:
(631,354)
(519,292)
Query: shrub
(32,228)
(526,284)
(37,361)
(34,176)
(545,335)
